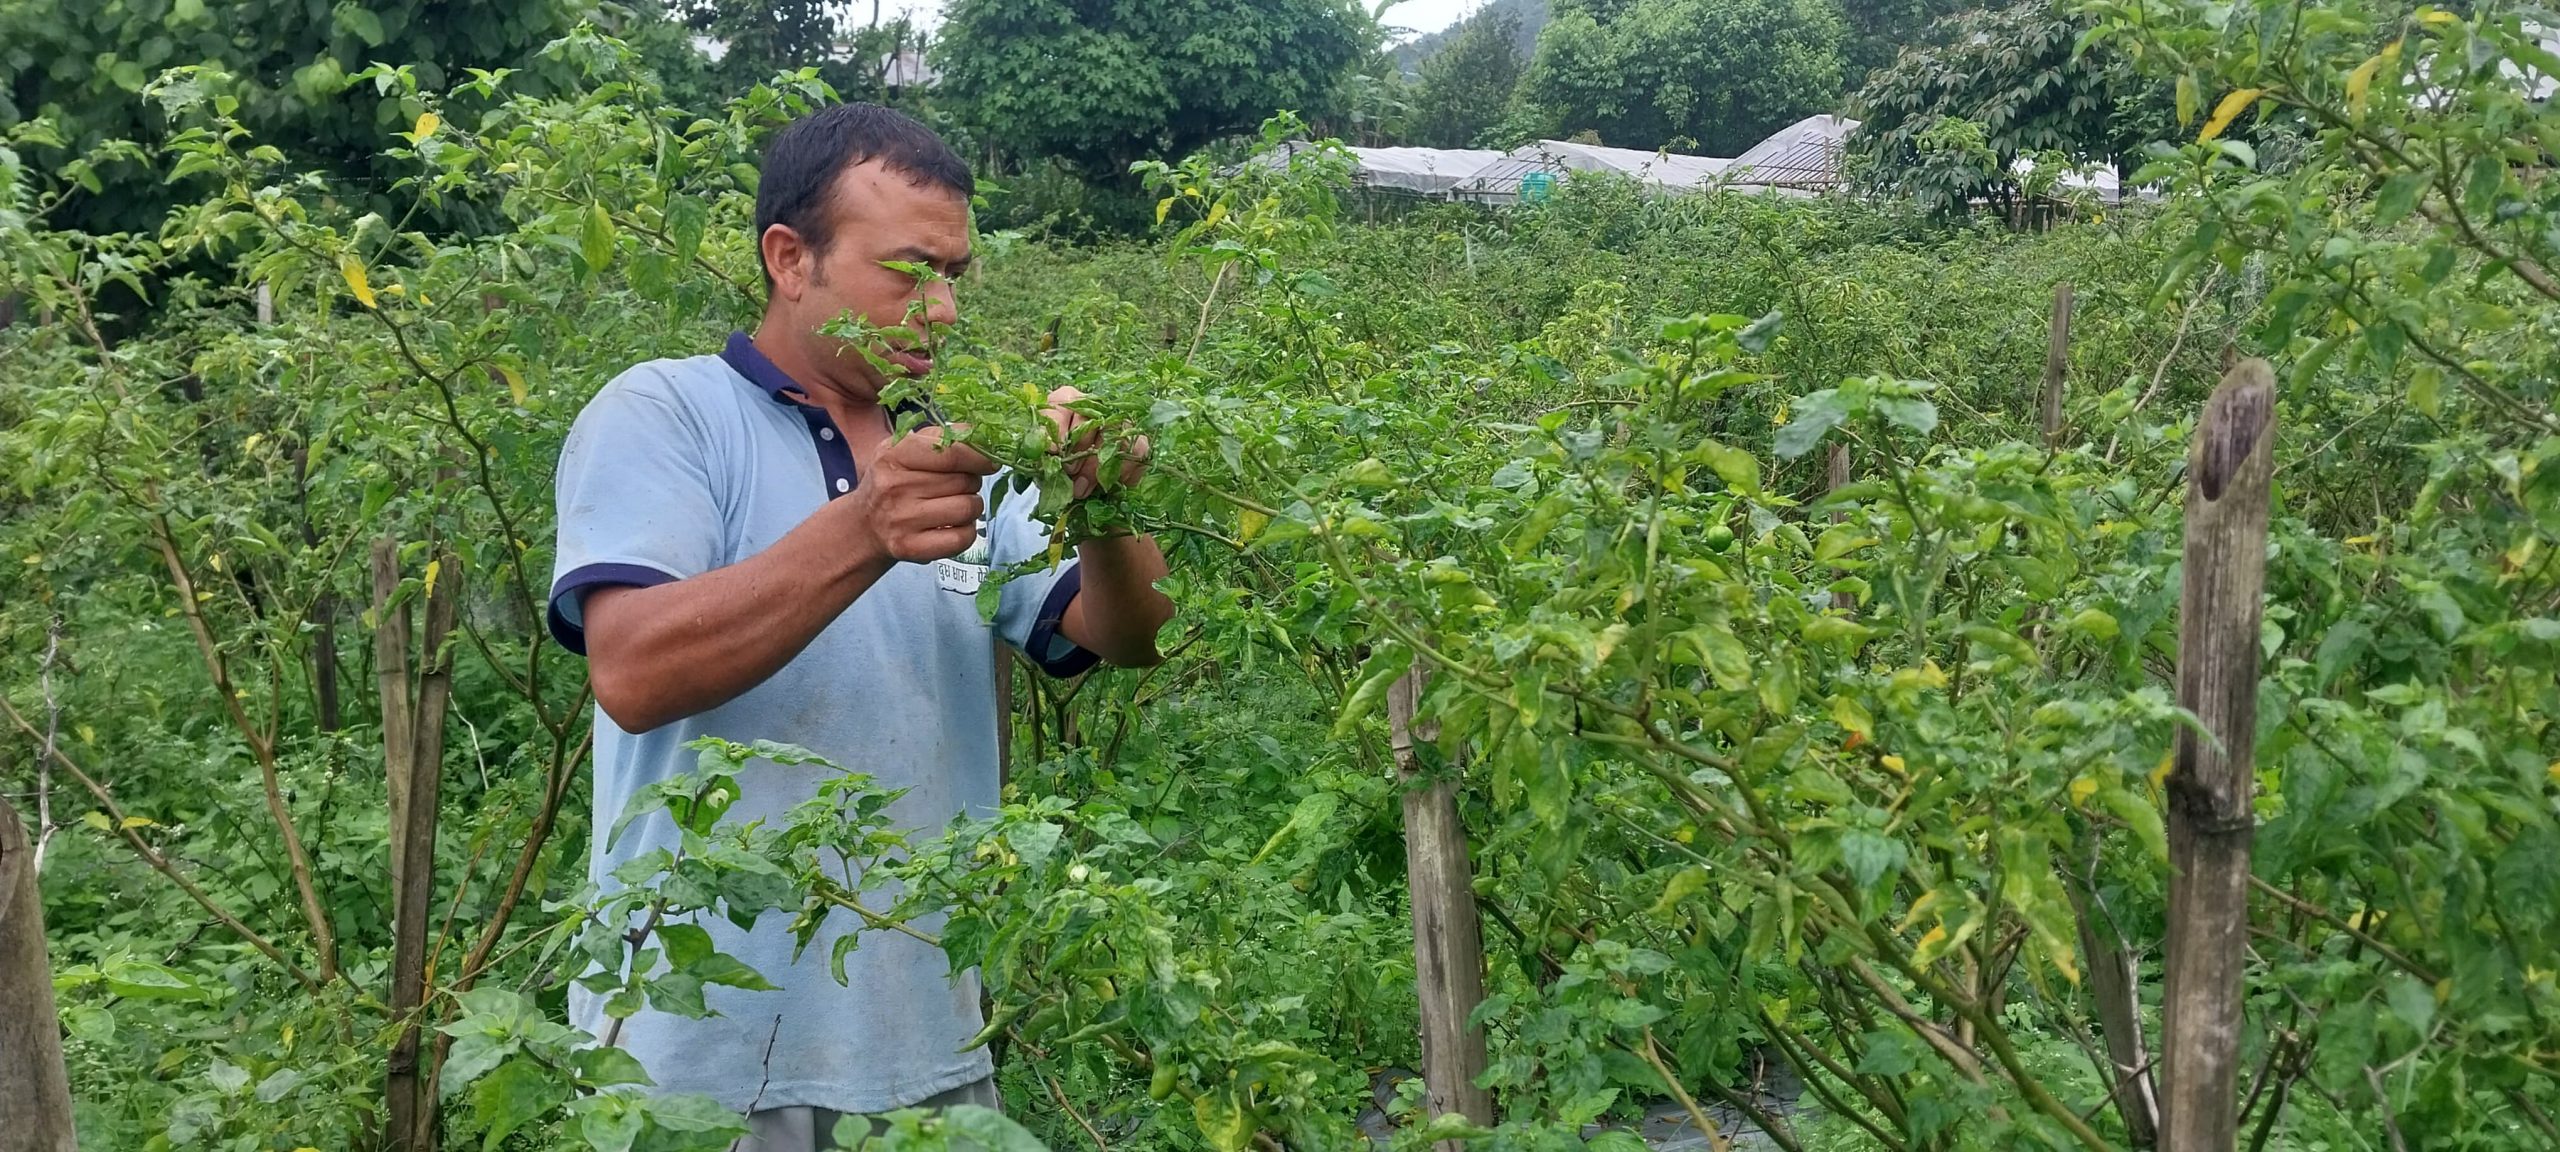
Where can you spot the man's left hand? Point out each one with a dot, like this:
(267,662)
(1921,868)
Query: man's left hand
(1082,437)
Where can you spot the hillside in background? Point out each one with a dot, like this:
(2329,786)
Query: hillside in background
(1533,17)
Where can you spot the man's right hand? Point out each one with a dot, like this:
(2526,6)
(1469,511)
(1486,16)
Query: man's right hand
(919,502)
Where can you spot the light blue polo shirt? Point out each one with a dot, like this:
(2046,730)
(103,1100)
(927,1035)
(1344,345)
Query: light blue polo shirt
(679,467)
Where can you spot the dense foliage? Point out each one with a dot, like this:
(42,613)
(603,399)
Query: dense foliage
(1101,85)
(83,67)
(1859,781)
(1707,76)
(1465,88)
(1949,123)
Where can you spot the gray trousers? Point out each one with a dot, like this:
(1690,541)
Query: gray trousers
(806,1129)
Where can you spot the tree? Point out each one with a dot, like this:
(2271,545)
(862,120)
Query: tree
(2015,73)
(1466,86)
(1719,75)
(1101,83)
(1880,29)
(85,66)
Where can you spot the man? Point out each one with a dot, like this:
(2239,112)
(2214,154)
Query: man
(747,551)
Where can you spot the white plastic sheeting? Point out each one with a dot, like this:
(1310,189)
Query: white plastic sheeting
(1422,171)
(1502,180)
(1803,157)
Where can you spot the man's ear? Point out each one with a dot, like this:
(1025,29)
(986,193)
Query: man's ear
(786,257)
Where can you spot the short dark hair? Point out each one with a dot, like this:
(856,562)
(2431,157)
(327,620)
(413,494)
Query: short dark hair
(802,161)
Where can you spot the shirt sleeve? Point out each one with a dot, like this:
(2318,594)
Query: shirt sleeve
(635,499)
(1029,607)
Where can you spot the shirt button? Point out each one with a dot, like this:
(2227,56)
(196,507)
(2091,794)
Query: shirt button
(826,433)
(843,485)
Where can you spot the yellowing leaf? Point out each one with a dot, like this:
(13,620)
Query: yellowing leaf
(1851,715)
(251,444)
(1163,206)
(2438,18)
(1250,524)
(1057,550)
(1894,764)
(2168,760)
(2554,772)
(2227,111)
(97,820)
(2081,790)
(2360,81)
(1217,212)
(88,735)
(216,561)
(138,822)
(353,270)
(515,383)
(427,122)
(434,569)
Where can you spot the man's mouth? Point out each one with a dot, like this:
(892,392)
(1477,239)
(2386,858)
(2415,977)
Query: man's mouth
(913,362)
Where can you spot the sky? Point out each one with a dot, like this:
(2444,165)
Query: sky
(1416,16)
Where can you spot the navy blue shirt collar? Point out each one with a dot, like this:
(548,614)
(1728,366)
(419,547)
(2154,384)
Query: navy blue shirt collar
(751,362)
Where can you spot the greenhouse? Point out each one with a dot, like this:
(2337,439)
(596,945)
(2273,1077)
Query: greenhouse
(1527,172)
(1420,171)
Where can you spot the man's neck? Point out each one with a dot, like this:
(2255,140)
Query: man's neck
(822,380)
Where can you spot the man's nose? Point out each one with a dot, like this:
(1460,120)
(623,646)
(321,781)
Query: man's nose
(941,304)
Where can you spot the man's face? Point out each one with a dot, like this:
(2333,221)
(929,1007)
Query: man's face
(880,216)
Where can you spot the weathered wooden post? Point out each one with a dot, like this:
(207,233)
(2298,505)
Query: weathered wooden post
(35,1091)
(2114,986)
(2057,363)
(2229,474)
(1835,475)
(413,711)
(1448,941)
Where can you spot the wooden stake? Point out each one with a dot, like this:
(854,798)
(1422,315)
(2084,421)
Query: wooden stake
(2116,989)
(2229,474)
(35,1091)
(1448,941)
(1836,477)
(413,711)
(2057,363)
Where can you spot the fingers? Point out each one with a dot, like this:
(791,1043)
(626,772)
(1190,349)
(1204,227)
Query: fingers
(931,450)
(946,512)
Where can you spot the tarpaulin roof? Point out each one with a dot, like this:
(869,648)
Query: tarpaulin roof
(1804,156)
(1428,171)
(1672,171)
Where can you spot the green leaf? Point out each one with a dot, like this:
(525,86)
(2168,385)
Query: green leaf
(990,1129)
(686,219)
(518,1093)
(595,238)
(1685,883)
(686,944)
(2399,194)
(1738,469)
(1868,855)
(362,24)
(1815,414)
(606,1067)
(694,1112)
(609,1122)
(1389,660)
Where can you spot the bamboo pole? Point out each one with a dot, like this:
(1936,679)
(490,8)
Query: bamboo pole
(2229,474)
(35,1091)
(1835,475)
(413,711)
(2116,989)
(1448,941)
(2057,364)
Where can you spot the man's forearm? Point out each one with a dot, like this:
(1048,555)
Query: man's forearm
(663,653)
(1117,610)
